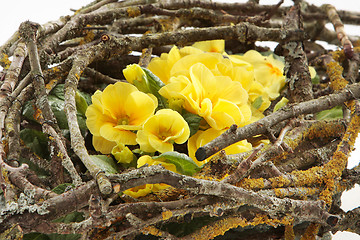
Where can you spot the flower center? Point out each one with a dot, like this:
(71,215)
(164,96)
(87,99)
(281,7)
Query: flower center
(123,121)
(274,70)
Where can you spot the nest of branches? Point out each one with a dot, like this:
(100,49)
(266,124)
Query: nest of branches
(52,184)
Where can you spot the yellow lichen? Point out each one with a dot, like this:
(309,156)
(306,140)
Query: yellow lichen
(220,227)
(133,11)
(89,36)
(4,58)
(151,230)
(334,71)
(166,215)
(51,84)
(279,181)
(251,183)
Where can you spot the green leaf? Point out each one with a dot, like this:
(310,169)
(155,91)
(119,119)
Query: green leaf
(36,141)
(71,217)
(334,113)
(28,111)
(154,85)
(58,91)
(53,236)
(257,103)
(184,164)
(35,236)
(193,121)
(57,106)
(316,79)
(280,104)
(81,104)
(59,189)
(105,163)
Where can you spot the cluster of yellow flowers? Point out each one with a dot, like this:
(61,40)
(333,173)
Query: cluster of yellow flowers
(202,80)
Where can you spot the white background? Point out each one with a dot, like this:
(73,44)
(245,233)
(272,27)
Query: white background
(41,11)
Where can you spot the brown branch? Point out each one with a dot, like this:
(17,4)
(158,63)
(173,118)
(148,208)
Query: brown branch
(99,76)
(12,125)
(350,221)
(244,32)
(33,217)
(310,211)
(82,60)
(46,116)
(296,66)
(291,111)
(242,168)
(13,72)
(340,31)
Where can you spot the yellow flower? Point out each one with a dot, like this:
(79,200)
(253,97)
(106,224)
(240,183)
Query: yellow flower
(211,46)
(122,153)
(202,137)
(169,64)
(118,111)
(102,145)
(141,191)
(136,76)
(161,66)
(133,72)
(267,71)
(162,130)
(215,98)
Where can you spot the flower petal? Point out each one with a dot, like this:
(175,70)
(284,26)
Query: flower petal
(142,138)
(159,145)
(109,132)
(138,107)
(114,98)
(102,145)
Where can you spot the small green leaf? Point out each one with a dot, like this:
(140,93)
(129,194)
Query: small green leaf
(59,189)
(257,103)
(35,236)
(55,236)
(316,79)
(154,85)
(105,163)
(184,164)
(58,91)
(193,121)
(36,141)
(280,104)
(81,104)
(57,106)
(28,111)
(334,113)
(71,217)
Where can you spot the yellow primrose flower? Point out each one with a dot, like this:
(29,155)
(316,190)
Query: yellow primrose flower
(215,98)
(102,145)
(161,66)
(237,70)
(135,75)
(133,72)
(202,137)
(164,66)
(267,71)
(141,191)
(162,130)
(211,46)
(122,153)
(118,111)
